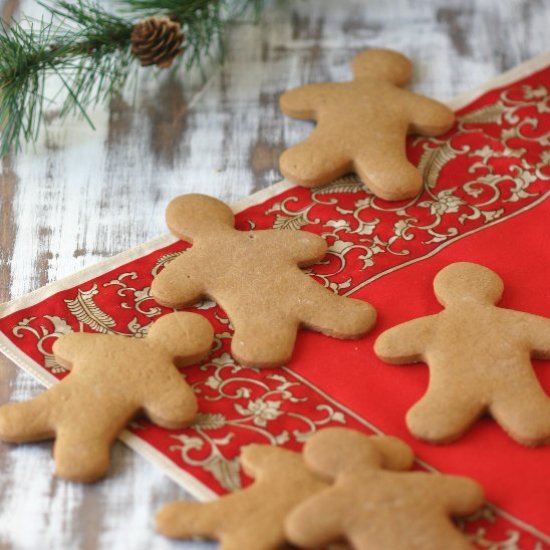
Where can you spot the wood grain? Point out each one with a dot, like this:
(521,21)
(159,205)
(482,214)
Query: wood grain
(82,195)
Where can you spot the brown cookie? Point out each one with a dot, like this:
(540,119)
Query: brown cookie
(479,360)
(361,127)
(255,277)
(252,519)
(374,508)
(113,378)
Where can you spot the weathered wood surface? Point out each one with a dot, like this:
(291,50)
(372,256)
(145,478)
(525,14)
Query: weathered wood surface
(81,196)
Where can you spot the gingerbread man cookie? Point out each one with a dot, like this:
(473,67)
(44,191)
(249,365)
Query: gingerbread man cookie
(479,359)
(253,518)
(361,127)
(374,508)
(255,277)
(113,378)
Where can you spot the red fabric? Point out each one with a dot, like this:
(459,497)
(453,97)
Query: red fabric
(485,201)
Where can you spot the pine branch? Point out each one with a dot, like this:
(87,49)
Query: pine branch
(88,49)
(83,45)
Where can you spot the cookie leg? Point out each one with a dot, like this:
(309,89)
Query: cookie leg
(79,457)
(523,411)
(368,538)
(303,527)
(183,520)
(424,533)
(323,311)
(434,535)
(245,539)
(443,414)
(315,161)
(461,496)
(386,171)
(263,342)
(27,421)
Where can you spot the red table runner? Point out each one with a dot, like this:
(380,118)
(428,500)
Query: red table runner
(487,182)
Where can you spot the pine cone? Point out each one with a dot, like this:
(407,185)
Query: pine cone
(157,41)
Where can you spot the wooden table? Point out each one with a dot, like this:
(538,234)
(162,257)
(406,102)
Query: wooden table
(82,196)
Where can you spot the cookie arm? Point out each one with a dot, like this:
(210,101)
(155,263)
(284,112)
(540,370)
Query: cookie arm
(29,420)
(537,331)
(304,247)
(67,347)
(182,519)
(302,102)
(396,454)
(255,457)
(177,286)
(405,343)
(430,117)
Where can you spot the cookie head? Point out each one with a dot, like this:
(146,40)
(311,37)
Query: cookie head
(185,336)
(191,216)
(467,282)
(334,451)
(380,64)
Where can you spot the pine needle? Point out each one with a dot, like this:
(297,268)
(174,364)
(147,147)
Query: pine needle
(88,50)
